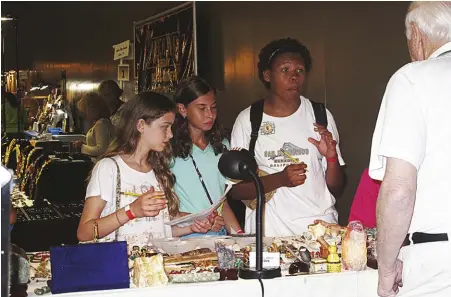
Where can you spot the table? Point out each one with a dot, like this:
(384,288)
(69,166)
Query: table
(344,284)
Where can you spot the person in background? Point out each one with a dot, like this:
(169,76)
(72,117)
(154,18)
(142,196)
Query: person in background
(139,156)
(12,217)
(198,144)
(289,123)
(11,119)
(363,207)
(410,155)
(110,91)
(96,113)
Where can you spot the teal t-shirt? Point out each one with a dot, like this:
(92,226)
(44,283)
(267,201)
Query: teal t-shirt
(188,187)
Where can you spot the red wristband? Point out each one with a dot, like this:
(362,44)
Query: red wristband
(128,212)
(332,160)
(239,232)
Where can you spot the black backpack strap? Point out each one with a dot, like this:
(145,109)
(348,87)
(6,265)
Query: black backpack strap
(256,120)
(320,113)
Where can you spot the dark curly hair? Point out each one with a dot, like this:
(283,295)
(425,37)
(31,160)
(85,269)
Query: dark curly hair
(188,90)
(275,48)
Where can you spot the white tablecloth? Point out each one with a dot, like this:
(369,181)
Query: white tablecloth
(344,284)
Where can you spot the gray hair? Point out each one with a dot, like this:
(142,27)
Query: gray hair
(433,18)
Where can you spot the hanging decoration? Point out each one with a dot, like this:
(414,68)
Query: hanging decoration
(165,49)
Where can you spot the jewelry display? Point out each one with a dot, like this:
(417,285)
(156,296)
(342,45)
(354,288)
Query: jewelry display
(165,50)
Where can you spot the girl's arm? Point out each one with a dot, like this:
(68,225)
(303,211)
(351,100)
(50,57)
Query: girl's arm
(230,218)
(197,227)
(91,212)
(145,205)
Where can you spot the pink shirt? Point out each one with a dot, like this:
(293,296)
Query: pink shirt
(363,207)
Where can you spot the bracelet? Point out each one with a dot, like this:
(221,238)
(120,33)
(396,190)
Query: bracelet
(96,231)
(332,160)
(117,218)
(128,212)
(239,232)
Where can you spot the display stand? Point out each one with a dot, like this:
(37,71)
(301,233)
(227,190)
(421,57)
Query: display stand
(165,49)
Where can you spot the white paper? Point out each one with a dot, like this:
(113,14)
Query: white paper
(270,260)
(189,219)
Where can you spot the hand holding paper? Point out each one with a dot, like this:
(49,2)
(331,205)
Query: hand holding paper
(189,219)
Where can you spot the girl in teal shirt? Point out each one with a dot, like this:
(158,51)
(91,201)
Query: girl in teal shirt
(198,143)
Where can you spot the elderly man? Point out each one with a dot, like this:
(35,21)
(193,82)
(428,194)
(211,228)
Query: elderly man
(411,154)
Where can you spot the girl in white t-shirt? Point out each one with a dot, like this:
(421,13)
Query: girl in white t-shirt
(138,160)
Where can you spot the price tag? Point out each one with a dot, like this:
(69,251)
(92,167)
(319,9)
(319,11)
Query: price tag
(270,260)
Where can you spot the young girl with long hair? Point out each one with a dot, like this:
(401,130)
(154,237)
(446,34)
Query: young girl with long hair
(198,144)
(130,194)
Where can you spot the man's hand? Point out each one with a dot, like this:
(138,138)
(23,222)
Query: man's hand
(326,146)
(390,280)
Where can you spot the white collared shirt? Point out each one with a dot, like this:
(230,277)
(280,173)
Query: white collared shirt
(414,124)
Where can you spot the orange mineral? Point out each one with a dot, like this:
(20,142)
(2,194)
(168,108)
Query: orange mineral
(354,254)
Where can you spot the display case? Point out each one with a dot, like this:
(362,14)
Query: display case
(165,49)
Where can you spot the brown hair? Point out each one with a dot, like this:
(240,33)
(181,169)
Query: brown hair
(148,106)
(112,86)
(188,90)
(96,104)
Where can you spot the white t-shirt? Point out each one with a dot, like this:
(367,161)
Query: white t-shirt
(291,210)
(103,184)
(414,125)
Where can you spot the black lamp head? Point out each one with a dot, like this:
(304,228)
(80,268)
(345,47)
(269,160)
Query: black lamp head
(237,164)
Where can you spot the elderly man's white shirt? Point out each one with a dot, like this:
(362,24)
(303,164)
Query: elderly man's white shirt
(414,124)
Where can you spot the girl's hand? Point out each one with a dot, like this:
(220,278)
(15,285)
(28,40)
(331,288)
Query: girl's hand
(149,204)
(216,221)
(218,224)
(212,216)
(201,226)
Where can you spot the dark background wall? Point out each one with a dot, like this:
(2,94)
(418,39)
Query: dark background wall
(67,31)
(356,47)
